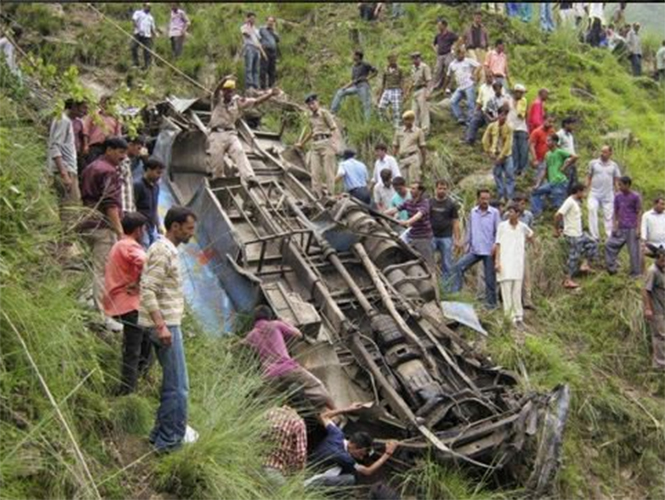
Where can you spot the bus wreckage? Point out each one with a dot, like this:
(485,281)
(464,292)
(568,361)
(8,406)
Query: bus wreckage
(365,301)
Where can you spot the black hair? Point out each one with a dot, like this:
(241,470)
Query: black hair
(481,191)
(132,221)
(499,41)
(578,187)
(153,164)
(658,199)
(359,53)
(399,181)
(420,185)
(362,440)
(567,121)
(442,21)
(442,182)
(381,146)
(554,138)
(115,143)
(250,14)
(262,312)
(386,174)
(73,103)
(137,139)
(177,215)
(626,180)
(519,197)
(513,206)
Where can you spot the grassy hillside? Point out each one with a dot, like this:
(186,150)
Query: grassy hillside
(594,340)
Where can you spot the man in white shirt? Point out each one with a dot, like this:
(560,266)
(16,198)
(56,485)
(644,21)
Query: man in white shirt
(602,181)
(144,30)
(383,193)
(252,51)
(509,257)
(517,122)
(652,231)
(634,43)
(579,244)
(383,161)
(567,143)
(463,69)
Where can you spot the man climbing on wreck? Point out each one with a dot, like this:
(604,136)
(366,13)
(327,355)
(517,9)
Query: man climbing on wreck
(223,137)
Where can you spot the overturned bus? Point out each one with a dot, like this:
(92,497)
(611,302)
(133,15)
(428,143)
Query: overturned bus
(367,304)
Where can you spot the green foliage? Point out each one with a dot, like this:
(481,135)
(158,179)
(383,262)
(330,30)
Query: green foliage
(132,414)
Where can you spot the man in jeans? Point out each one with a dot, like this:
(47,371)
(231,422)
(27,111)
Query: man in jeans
(487,111)
(580,244)
(498,144)
(557,162)
(517,121)
(144,31)
(627,217)
(62,160)
(161,309)
(252,51)
(269,42)
(480,237)
(444,218)
(361,74)
(634,44)
(121,299)
(602,182)
(463,69)
(443,47)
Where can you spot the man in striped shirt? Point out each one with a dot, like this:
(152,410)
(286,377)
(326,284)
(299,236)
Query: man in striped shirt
(161,309)
(288,439)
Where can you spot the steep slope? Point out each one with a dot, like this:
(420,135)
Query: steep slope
(594,340)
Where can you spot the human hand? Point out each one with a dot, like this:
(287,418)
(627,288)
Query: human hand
(497,268)
(648,314)
(164,335)
(355,406)
(66,180)
(391,446)
(557,232)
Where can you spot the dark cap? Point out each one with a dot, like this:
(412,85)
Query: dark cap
(310,98)
(348,153)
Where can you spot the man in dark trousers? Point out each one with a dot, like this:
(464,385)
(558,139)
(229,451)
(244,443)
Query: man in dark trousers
(146,197)
(270,43)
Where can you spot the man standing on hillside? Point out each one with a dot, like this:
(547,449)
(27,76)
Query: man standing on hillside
(223,136)
(536,116)
(498,144)
(654,309)
(146,196)
(101,192)
(354,174)
(178,27)
(252,51)
(497,62)
(627,215)
(144,31)
(443,47)
(161,309)
(517,121)
(580,244)
(361,74)
(445,228)
(480,238)
(538,144)
(602,182)
(463,69)
(510,259)
(97,127)
(421,78)
(322,156)
(392,90)
(652,231)
(634,43)
(486,112)
(476,39)
(557,162)
(402,194)
(567,143)
(383,191)
(62,160)
(383,161)
(410,147)
(121,299)
(270,44)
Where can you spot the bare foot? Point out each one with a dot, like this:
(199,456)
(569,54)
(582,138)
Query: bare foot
(570,284)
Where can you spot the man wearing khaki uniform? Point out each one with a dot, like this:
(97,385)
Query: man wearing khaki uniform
(223,137)
(409,148)
(323,164)
(421,76)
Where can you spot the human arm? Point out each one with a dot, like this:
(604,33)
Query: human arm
(487,141)
(113,215)
(368,470)
(569,161)
(644,229)
(422,146)
(57,140)
(248,103)
(558,218)
(646,295)
(154,273)
(507,148)
(328,415)
(532,150)
(497,257)
(411,221)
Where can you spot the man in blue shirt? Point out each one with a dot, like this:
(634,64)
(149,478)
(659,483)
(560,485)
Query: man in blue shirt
(354,174)
(481,235)
(336,452)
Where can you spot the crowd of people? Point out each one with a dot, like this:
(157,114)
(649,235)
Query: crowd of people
(108,188)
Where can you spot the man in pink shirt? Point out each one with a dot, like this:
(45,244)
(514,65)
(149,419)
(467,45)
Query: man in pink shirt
(121,299)
(97,127)
(268,338)
(536,116)
(178,29)
(497,62)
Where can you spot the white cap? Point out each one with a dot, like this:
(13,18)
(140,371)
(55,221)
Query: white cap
(520,87)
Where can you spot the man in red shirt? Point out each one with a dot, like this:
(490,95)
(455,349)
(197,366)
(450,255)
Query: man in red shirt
(121,299)
(538,143)
(101,193)
(536,115)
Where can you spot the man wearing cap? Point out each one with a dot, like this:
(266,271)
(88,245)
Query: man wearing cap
(392,90)
(421,77)
(443,47)
(223,137)
(410,147)
(517,121)
(322,159)
(354,174)
(361,74)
